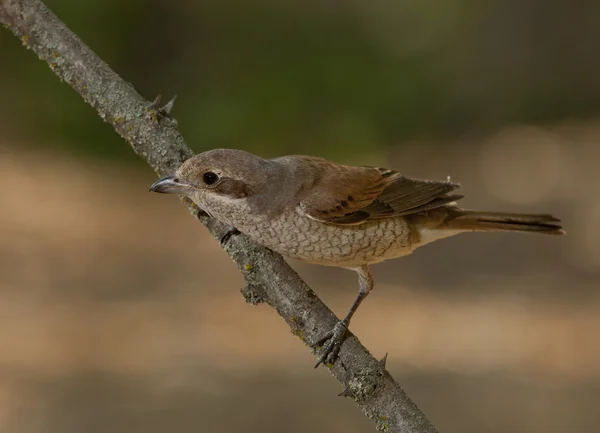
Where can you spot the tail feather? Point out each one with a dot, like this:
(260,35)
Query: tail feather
(461,219)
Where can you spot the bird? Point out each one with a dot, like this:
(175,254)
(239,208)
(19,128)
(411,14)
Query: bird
(321,212)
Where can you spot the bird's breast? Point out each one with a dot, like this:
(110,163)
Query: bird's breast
(293,234)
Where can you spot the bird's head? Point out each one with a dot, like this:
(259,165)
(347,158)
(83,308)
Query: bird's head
(220,174)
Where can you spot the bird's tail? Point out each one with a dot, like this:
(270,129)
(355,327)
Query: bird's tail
(469,220)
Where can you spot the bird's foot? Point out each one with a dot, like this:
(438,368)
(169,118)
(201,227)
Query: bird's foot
(228,234)
(165,110)
(332,343)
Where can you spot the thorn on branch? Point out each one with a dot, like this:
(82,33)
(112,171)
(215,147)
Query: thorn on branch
(166,110)
(383,361)
(157,112)
(156,103)
(347,392)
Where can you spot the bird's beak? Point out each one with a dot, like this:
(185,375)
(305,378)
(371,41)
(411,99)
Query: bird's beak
(170,185)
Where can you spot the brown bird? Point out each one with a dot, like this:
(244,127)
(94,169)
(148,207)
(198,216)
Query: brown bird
(320,212)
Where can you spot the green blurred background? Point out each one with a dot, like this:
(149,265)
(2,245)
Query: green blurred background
(119,313)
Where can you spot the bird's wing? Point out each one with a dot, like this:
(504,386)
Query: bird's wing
(346,195)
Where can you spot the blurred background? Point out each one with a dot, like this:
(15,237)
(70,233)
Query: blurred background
(120,313)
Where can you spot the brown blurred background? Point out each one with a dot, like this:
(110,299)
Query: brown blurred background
(120,313)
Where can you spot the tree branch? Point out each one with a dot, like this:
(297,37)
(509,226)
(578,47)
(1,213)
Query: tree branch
(157,140)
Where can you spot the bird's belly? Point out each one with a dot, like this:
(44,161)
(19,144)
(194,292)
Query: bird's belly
(294,235)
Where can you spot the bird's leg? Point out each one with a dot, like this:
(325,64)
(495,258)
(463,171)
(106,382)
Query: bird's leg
(333,339)
(228,234)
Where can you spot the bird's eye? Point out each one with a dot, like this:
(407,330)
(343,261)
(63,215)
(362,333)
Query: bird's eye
(209,178)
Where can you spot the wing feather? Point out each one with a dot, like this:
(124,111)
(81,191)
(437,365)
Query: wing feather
(347,195)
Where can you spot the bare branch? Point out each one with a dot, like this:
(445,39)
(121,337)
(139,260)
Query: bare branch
(154,136)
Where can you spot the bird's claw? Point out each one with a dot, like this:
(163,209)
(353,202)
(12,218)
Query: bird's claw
(332,343)
(228,234)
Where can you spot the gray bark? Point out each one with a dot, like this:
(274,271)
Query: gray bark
(269,278)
